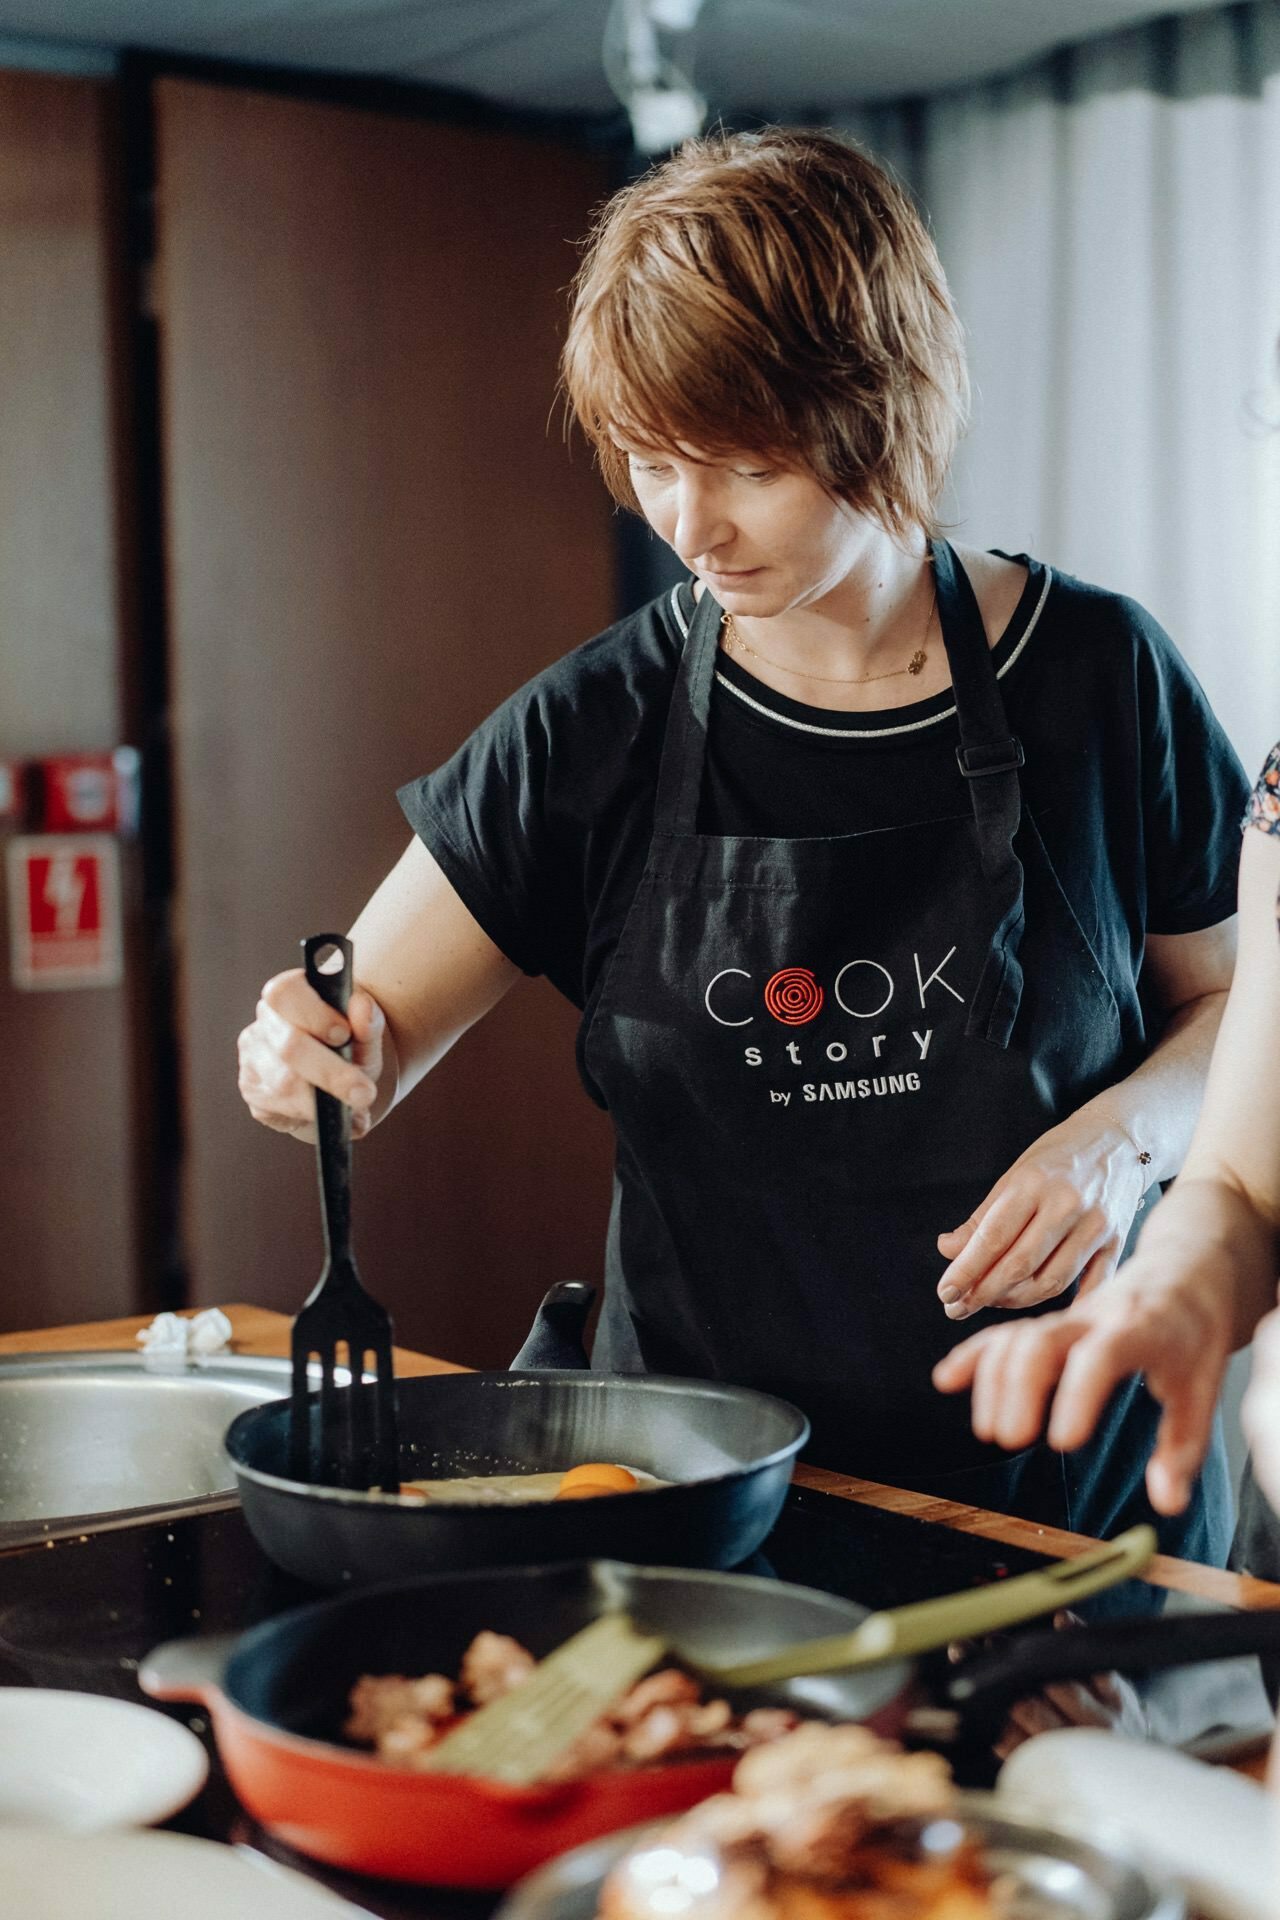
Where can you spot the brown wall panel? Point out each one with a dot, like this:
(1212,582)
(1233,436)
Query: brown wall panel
(375,533)
(66,1171)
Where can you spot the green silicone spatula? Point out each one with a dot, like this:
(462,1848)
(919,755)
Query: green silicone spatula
(956,1616)
(517,1737)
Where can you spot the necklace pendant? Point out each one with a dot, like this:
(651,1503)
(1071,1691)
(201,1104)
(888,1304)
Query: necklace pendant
(916,663)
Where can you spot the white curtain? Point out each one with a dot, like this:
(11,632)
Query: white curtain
(1110,223)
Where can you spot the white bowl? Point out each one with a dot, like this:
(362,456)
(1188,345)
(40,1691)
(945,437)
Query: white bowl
(1216,1831)
(82,1762)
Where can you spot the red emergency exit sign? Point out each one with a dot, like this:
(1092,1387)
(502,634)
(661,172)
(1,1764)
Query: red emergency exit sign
(64,910)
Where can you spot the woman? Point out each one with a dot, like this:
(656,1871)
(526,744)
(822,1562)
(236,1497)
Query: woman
(851,851)
(1205,1270)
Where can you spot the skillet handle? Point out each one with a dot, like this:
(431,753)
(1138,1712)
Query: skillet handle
(187,1669)
(555,1338)
(983,1687)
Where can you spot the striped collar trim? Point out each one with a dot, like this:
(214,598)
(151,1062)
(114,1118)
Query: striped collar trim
(862,733)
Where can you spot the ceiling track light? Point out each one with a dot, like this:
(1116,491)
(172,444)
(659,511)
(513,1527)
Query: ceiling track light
(662,103)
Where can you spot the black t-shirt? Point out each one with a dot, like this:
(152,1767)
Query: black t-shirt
(542,820)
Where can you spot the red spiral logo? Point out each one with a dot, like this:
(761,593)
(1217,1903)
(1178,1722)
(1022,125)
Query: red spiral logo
(793,996)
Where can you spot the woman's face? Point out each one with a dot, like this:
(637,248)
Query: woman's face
(764,538)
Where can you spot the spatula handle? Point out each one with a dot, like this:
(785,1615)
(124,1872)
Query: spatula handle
(932,1623)
(957,1616)
(333,1117)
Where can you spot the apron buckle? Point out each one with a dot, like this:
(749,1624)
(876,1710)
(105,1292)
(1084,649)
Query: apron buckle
(1000,756)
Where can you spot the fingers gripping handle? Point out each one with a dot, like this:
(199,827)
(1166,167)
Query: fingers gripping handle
(986,1685)
(333,1117)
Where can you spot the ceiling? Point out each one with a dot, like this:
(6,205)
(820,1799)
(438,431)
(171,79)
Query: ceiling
(773,56)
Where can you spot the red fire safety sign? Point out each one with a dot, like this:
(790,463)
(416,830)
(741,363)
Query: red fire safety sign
(64,910)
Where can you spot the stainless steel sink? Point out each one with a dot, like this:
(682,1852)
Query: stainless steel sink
(96,1440)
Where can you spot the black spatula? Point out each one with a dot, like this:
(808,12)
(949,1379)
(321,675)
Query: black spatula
(340,1436)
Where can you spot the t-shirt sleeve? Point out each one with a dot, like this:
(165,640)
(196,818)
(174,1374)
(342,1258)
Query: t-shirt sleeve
(1194,790)
(1264,802)
(486,816)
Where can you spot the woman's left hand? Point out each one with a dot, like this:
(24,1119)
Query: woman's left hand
(1061,1213)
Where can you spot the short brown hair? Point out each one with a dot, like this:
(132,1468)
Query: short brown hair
(776,293)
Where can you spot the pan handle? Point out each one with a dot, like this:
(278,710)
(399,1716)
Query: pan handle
(983,1687)
(555,1338)
(187,1669)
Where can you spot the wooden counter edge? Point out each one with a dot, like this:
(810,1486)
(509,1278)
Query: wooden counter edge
(258,1330)
(254,1330)
(1186,1576)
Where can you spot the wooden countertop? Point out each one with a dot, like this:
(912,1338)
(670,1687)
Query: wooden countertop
(256,1330)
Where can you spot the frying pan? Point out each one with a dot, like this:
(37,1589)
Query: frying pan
(277,1698)
(727,1450)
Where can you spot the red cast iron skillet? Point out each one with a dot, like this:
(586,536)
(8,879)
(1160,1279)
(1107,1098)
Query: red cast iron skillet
(727,1451)
(277,1698)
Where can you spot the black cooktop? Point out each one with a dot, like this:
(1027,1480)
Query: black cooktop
(83,1612)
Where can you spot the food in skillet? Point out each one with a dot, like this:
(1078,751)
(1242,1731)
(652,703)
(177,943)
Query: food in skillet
(586,1482)
(828,1823)
(663,1717)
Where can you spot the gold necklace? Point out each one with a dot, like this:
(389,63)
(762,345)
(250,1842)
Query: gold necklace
(914,665)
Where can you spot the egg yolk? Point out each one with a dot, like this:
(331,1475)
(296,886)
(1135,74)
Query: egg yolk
(596,1476)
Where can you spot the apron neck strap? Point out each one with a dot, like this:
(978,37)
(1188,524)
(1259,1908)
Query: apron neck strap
(985,741)
(684,750)
(989,757)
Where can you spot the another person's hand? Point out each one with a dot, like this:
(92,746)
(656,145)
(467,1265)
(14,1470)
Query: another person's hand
(1260,1412)
(1061,1213)
(287,1052)
(1168,1315)
(1107,1700)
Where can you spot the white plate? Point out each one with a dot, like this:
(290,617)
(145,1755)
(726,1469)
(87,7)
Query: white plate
(137,1876)
(1216,1830)
(84,1762)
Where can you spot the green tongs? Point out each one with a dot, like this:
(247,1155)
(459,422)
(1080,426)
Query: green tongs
(956,1616)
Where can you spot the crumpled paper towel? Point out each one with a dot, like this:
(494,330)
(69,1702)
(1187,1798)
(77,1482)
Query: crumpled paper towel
(170,1339)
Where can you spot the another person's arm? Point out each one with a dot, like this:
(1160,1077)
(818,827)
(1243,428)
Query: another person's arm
(1260,1414)
(425,972)
(1205,1268)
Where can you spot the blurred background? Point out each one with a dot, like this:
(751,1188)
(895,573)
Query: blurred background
(286,508)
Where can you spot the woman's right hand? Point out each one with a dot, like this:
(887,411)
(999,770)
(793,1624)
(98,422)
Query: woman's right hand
(287,1051)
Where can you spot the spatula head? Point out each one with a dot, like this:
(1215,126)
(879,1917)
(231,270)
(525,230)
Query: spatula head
(518,1737)
(343,1436)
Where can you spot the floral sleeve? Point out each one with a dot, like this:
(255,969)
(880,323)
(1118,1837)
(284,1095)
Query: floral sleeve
(1264,802)
(1263,810)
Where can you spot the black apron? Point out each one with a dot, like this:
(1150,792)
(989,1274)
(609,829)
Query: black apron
(818,1055)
